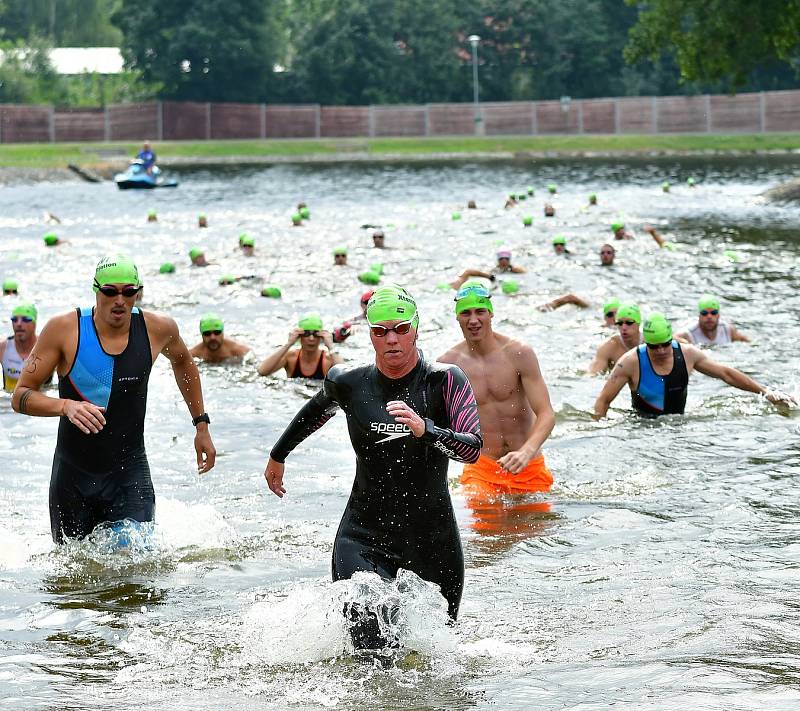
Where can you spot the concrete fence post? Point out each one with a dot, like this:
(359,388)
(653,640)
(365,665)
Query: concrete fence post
(318,122)
(655,114)
(52,124)
(616,116)
(262,131)
(534,120)
(160,120)
(427,119)
(106,124)
(580,117)
(762,111)
(371,121)
(208,120)
(708,113)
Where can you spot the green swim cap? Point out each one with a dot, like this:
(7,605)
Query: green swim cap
(611,305)
(522,196)
(560,239)
(665,185)
(166,268)
(708,301)
(527,220)
(474,295)
(377,268)
(732,254)
(151,212)
(310,322)
(340,250)
(657,329)
(247,241)
(10,285)
(530,190)
(305,213)
(211,322)
(271,291)
(629,312)
(27,310)
(593,196)
(510,286)
(617,226)
(297,217)
(242,238)
(551,189)
(201,216)
(115,270)
(50,239)
(195,252)
(390,303)
(456,215)
(369,277)
(227,279)
(690,182)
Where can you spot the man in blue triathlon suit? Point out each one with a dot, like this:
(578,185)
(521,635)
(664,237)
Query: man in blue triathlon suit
(406,417)
(103,356)
(147,156)
(657,373)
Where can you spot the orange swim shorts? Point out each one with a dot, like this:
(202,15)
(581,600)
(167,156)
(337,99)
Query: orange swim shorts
(486,475)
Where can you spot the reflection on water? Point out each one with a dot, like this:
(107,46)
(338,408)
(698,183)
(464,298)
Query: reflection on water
(660,571)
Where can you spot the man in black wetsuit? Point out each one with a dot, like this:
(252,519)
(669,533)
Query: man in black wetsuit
(657,373)
(103,356)
(406,416)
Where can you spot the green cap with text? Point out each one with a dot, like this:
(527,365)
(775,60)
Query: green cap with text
(116,270)
(656,329)
(392,303)
(25,310)
(629,312)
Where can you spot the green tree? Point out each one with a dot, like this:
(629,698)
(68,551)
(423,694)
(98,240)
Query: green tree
(207,50)
(717,40)
(66,23)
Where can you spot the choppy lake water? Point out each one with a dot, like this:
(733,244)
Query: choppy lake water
(660,573)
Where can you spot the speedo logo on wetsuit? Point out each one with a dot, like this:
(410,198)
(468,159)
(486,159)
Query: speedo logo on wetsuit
(392,430)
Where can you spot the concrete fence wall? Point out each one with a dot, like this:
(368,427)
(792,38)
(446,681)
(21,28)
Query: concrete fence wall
(174,121)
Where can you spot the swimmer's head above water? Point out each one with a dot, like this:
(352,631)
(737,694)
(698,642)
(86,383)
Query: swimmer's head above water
(117,287)
(212,329)
(628,319)
(393,319)
(657,335)
(610,311)
(473,295)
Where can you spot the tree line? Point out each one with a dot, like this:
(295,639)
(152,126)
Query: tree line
(355,52)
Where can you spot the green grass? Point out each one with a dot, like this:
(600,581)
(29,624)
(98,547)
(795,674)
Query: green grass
(46,155)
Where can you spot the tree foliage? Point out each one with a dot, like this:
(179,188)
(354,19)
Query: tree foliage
(717,40)
(64,23)
(207,50)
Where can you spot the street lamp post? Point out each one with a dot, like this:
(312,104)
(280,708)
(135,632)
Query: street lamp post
(473,40)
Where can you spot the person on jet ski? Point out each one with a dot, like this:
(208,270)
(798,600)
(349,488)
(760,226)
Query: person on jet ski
(148,157)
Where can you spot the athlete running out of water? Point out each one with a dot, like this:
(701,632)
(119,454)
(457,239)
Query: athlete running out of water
(657,373)
(103,356)
(406,416)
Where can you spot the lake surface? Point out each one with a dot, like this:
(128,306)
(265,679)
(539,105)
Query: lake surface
(660,573)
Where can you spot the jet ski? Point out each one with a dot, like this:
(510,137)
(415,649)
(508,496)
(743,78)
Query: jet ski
(136,177)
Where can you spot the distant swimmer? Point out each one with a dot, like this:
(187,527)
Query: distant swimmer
(343,332)
(549,210)
(610,312)
(657,373)
(710,329)
(215,348)
(378,239)
(513,400)
(308,361)
(628,319)
(15,349)
(564,300)
(618,228)
(560,245)
(340,257)
(198,257)
(247,244)
(406,417)
(503,266)
(103,356)
(607,255)
(10,287)
(592,199)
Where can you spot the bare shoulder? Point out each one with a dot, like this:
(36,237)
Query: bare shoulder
(240,349)
(160,324)
(455,355)
(519,353)
(60,327)
(692,354)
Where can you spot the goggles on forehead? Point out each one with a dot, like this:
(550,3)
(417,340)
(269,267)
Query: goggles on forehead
(473,290)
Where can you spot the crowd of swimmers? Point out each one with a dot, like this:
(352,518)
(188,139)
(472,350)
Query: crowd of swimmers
(483,402)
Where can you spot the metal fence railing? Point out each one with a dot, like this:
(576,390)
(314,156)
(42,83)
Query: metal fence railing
(770,111)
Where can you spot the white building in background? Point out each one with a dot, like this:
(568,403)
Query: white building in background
(86,60)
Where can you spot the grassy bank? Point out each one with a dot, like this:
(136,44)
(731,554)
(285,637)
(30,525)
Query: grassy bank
(46,155)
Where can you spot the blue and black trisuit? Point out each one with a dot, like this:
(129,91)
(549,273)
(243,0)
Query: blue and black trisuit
(661,394)
(104,476)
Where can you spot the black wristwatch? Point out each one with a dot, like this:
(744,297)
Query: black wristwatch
(201,418)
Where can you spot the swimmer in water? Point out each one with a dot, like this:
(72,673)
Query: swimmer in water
(592,199)
(198,257)
(503,266)
(513,401)
(343,332)
(618,228)
(406,417)
(511,201)
(340,257)
(607,254)
(103,356)
(710,329)
(247,244)
(549,210)
(610,312)
(628,319)
(378,239)
(16,348)
(10,287)
(308,361)
(560,245)
(657,373)
(564,300)
(215,348)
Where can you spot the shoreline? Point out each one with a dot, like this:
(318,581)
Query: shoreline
(34,163)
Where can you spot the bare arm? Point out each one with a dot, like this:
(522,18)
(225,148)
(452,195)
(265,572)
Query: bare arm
(563,301)
(736,335)
(332,357)
(655,235)
(601,360)
(683,337)
(618,379)
(518,270)
(539,399)
(39,367)
(736,378)
(468,274)
(277,359)
(187,377)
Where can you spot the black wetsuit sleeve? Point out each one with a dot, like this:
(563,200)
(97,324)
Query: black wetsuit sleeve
(315,413)
(462,440)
